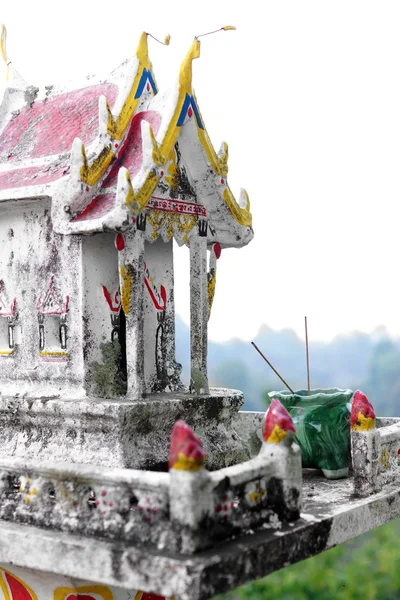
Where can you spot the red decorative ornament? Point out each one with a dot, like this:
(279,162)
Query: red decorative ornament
(277,415)
(87,188)
(185,441)
(163,294)
(190,112)
(119,242)
(362,405)
(116,145)
(217,250)
(148,596)
(162,173)
(222,180)
(148,86)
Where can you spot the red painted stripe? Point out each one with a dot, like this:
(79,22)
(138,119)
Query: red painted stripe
(32,175)
(99,206)
(18,591)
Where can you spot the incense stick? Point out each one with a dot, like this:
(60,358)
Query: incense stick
(307,358)
(273,368)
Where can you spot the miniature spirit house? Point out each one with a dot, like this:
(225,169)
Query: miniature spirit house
(115,480)
(96,181)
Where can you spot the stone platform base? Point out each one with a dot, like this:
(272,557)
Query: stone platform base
(331,516)
(121,433)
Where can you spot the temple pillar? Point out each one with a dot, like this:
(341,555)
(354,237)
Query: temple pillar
(131,283)
(198,310)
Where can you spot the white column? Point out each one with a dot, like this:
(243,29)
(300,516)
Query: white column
(131,282)
(198,310)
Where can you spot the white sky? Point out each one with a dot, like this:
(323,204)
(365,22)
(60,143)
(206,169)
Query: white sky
(307,94)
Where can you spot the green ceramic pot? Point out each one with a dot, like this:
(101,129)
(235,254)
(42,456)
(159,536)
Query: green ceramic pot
(322,421)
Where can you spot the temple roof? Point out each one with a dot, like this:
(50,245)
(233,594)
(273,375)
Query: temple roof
(109,149)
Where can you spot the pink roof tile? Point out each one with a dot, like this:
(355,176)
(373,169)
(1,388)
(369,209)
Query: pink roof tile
(48,128)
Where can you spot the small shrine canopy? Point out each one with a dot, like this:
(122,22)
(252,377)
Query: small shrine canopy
(109,150)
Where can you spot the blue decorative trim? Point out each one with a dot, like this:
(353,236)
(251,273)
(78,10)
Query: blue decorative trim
(146,75)
(189,101)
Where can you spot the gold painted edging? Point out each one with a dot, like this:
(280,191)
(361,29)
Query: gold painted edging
(117,127)
(277,435)
(3,52)
(363,423)
(211,283)
(187,463)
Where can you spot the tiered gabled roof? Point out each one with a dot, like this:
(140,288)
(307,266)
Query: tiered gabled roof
(110,149)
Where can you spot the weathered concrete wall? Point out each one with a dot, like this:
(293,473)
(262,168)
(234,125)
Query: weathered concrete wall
(119,433)
(32,254)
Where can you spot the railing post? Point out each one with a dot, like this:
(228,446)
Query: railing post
(284,488)
(365,447)
(190,494)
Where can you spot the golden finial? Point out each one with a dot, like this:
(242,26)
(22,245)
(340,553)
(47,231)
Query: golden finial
(185,77)
(225,28)
(3,51)
(166,41)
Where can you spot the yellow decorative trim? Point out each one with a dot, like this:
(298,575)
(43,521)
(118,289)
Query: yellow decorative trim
(257,495)
(172,221)
(218,163)
(136,202)
(117,127)
(187,463)
(211,283)
(61,593)
(277,435)
(4,586)
(126,287)
(3,43)
(51,353)
(3,51)
(363,423)
(241,215)
(385,458)
(139,595)
(157,156)
(91,174)
(185,87)
(173,172)
(156,218)
(6,352)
